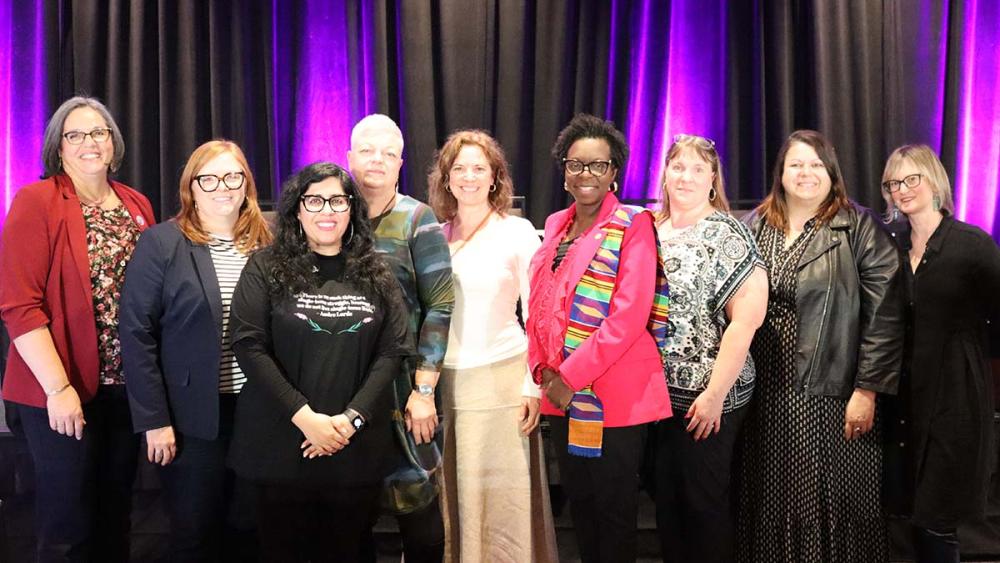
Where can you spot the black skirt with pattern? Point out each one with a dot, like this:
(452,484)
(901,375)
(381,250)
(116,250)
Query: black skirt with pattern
(805,493)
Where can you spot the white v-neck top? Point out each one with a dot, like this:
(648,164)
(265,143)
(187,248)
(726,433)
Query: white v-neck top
(490,274)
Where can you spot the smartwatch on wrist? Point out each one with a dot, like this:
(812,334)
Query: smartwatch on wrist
(355,418)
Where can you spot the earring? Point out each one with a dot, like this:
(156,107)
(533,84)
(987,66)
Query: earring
(895,214)
(565,187)
(301,232)
(614,187)
(350,237)
(447,188)
(712,194)
(493,187)
(937,202)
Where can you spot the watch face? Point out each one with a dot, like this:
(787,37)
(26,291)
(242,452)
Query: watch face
(357,423)
(425,390)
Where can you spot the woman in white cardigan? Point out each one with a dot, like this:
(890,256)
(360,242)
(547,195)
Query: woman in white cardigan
(495,498)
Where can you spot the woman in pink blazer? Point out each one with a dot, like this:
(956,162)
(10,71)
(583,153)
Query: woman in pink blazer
(592,289)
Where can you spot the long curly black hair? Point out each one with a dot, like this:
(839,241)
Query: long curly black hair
(293,262)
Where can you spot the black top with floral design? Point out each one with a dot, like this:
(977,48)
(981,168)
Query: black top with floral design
(111,237)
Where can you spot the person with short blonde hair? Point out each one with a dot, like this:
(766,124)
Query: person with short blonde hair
(408,233)
(952,271)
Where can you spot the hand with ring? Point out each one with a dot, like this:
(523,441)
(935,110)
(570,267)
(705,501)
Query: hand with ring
(859,416)
(161,445)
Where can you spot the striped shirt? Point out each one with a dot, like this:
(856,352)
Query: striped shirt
(228,262)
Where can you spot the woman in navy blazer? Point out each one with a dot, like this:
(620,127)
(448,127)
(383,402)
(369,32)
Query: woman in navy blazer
(182,378)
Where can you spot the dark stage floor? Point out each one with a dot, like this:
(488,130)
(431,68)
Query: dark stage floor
(149,525)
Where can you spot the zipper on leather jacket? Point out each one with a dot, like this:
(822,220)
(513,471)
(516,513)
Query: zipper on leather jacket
(822,324)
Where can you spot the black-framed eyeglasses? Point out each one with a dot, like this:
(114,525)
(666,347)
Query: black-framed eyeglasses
(99,135)
(595,167)
(211,182)
(316,203)
(911,181)
(704,142)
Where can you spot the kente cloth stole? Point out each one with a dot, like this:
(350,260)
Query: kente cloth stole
(591,304)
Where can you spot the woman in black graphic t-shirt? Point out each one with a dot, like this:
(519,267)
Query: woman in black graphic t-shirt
(319,330)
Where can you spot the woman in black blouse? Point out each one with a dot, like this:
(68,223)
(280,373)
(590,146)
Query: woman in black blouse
(319,330)
(953,272)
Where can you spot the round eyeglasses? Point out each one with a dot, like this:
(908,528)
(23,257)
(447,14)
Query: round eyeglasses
(595,167)
(99,135)
(911,181)
(211,182)
(316,203)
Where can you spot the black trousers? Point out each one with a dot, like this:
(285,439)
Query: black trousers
(603,491)
(307,524)
(694,508)
(83,488)
(423,534)
(210,509)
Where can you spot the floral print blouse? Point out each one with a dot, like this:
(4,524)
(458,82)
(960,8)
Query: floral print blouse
(111,237)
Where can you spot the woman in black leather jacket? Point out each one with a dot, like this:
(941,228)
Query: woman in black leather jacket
(832,340)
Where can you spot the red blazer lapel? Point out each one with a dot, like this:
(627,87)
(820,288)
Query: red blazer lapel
(76,235)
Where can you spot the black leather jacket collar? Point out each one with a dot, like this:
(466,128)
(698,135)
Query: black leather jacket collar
(849,303)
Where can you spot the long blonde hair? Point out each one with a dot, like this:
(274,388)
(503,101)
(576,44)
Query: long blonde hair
(704,149)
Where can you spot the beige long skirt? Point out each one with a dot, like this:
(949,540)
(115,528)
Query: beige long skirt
(495,494)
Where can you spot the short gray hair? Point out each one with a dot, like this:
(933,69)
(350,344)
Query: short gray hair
(51,163)
(376,121)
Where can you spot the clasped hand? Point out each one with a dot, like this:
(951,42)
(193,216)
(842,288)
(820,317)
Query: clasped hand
(324,434)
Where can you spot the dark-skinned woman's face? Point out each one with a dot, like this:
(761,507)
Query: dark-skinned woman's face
(592,158)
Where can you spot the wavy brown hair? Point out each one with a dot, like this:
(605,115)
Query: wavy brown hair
(774,208)
(251,231)
(442,200)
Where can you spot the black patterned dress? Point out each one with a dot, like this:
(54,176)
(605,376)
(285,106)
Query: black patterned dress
(806,494)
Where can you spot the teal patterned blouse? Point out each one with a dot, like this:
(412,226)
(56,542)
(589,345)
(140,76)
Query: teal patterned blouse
(412,239)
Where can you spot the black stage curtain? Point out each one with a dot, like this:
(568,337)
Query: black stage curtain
(179,72)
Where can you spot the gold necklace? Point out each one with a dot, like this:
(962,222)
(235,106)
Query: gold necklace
(98,202)
(466,240)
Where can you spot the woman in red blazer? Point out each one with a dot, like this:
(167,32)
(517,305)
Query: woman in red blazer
(65,245)
(592,289)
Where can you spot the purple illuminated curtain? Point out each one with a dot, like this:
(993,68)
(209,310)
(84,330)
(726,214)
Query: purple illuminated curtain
(977,154)
(677,84)
(334,79)
(287,80)
(24,99)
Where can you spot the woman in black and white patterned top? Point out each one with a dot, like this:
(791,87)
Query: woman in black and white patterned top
(181,376)
(718,290)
